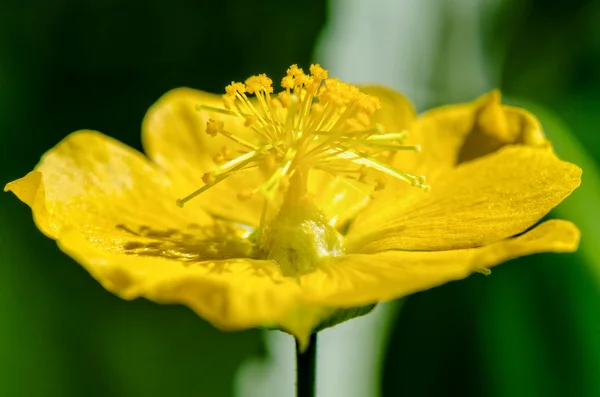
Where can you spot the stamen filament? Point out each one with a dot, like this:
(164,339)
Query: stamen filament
(393,136)
(236,161)
(238,140)
(315,122)
(364,159)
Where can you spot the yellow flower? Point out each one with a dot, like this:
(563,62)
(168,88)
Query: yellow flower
(283,209)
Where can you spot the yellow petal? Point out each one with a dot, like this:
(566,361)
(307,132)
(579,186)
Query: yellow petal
(92,182)
(450,135)
(174,136)
(231,294)
(479,202)
(396,113)
(110,209)
(361,279)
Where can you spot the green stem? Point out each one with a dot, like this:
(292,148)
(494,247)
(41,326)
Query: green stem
(305,368)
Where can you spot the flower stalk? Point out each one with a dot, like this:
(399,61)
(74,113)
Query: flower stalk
(305,368)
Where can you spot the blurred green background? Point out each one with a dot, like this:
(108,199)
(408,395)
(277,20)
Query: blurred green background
(532,328)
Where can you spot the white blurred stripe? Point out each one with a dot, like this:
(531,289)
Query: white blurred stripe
(390,42)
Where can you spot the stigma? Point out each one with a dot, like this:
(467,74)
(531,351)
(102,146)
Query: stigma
(314,122)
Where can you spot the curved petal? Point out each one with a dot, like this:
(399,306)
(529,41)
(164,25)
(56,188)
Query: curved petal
(231,294)
(113,211)
(451,135)
(396,113)
(355,280)
(477,203)
(92,182)
(174,136)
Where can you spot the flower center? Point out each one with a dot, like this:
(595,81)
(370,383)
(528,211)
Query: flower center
(299,236)
(316,122)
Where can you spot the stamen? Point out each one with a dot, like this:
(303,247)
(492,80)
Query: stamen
(363,159)
(315,122)
(215,127)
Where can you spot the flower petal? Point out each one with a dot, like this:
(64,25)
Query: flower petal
(396,113)
(92,182)
(451,135)
(174,136)
(477,203)
(361,279)
(231,294)
(111,209)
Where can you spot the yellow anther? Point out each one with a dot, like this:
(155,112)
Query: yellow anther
(214,127)
(266,82)
(228,101)
(303,80)
(349,92)
(367,103)
(287,82)
(295,78)
(258,83)
(250,120)
(316,122)
(295,71)
(235,88)
(318,72)
(208,178)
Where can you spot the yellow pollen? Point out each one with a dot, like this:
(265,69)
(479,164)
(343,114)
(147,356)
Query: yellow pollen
(214,127)
(318,72)
(250,120)
(258,83)
(208,178)
(235,88)
(294,71)
(315,122)
(287,82)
